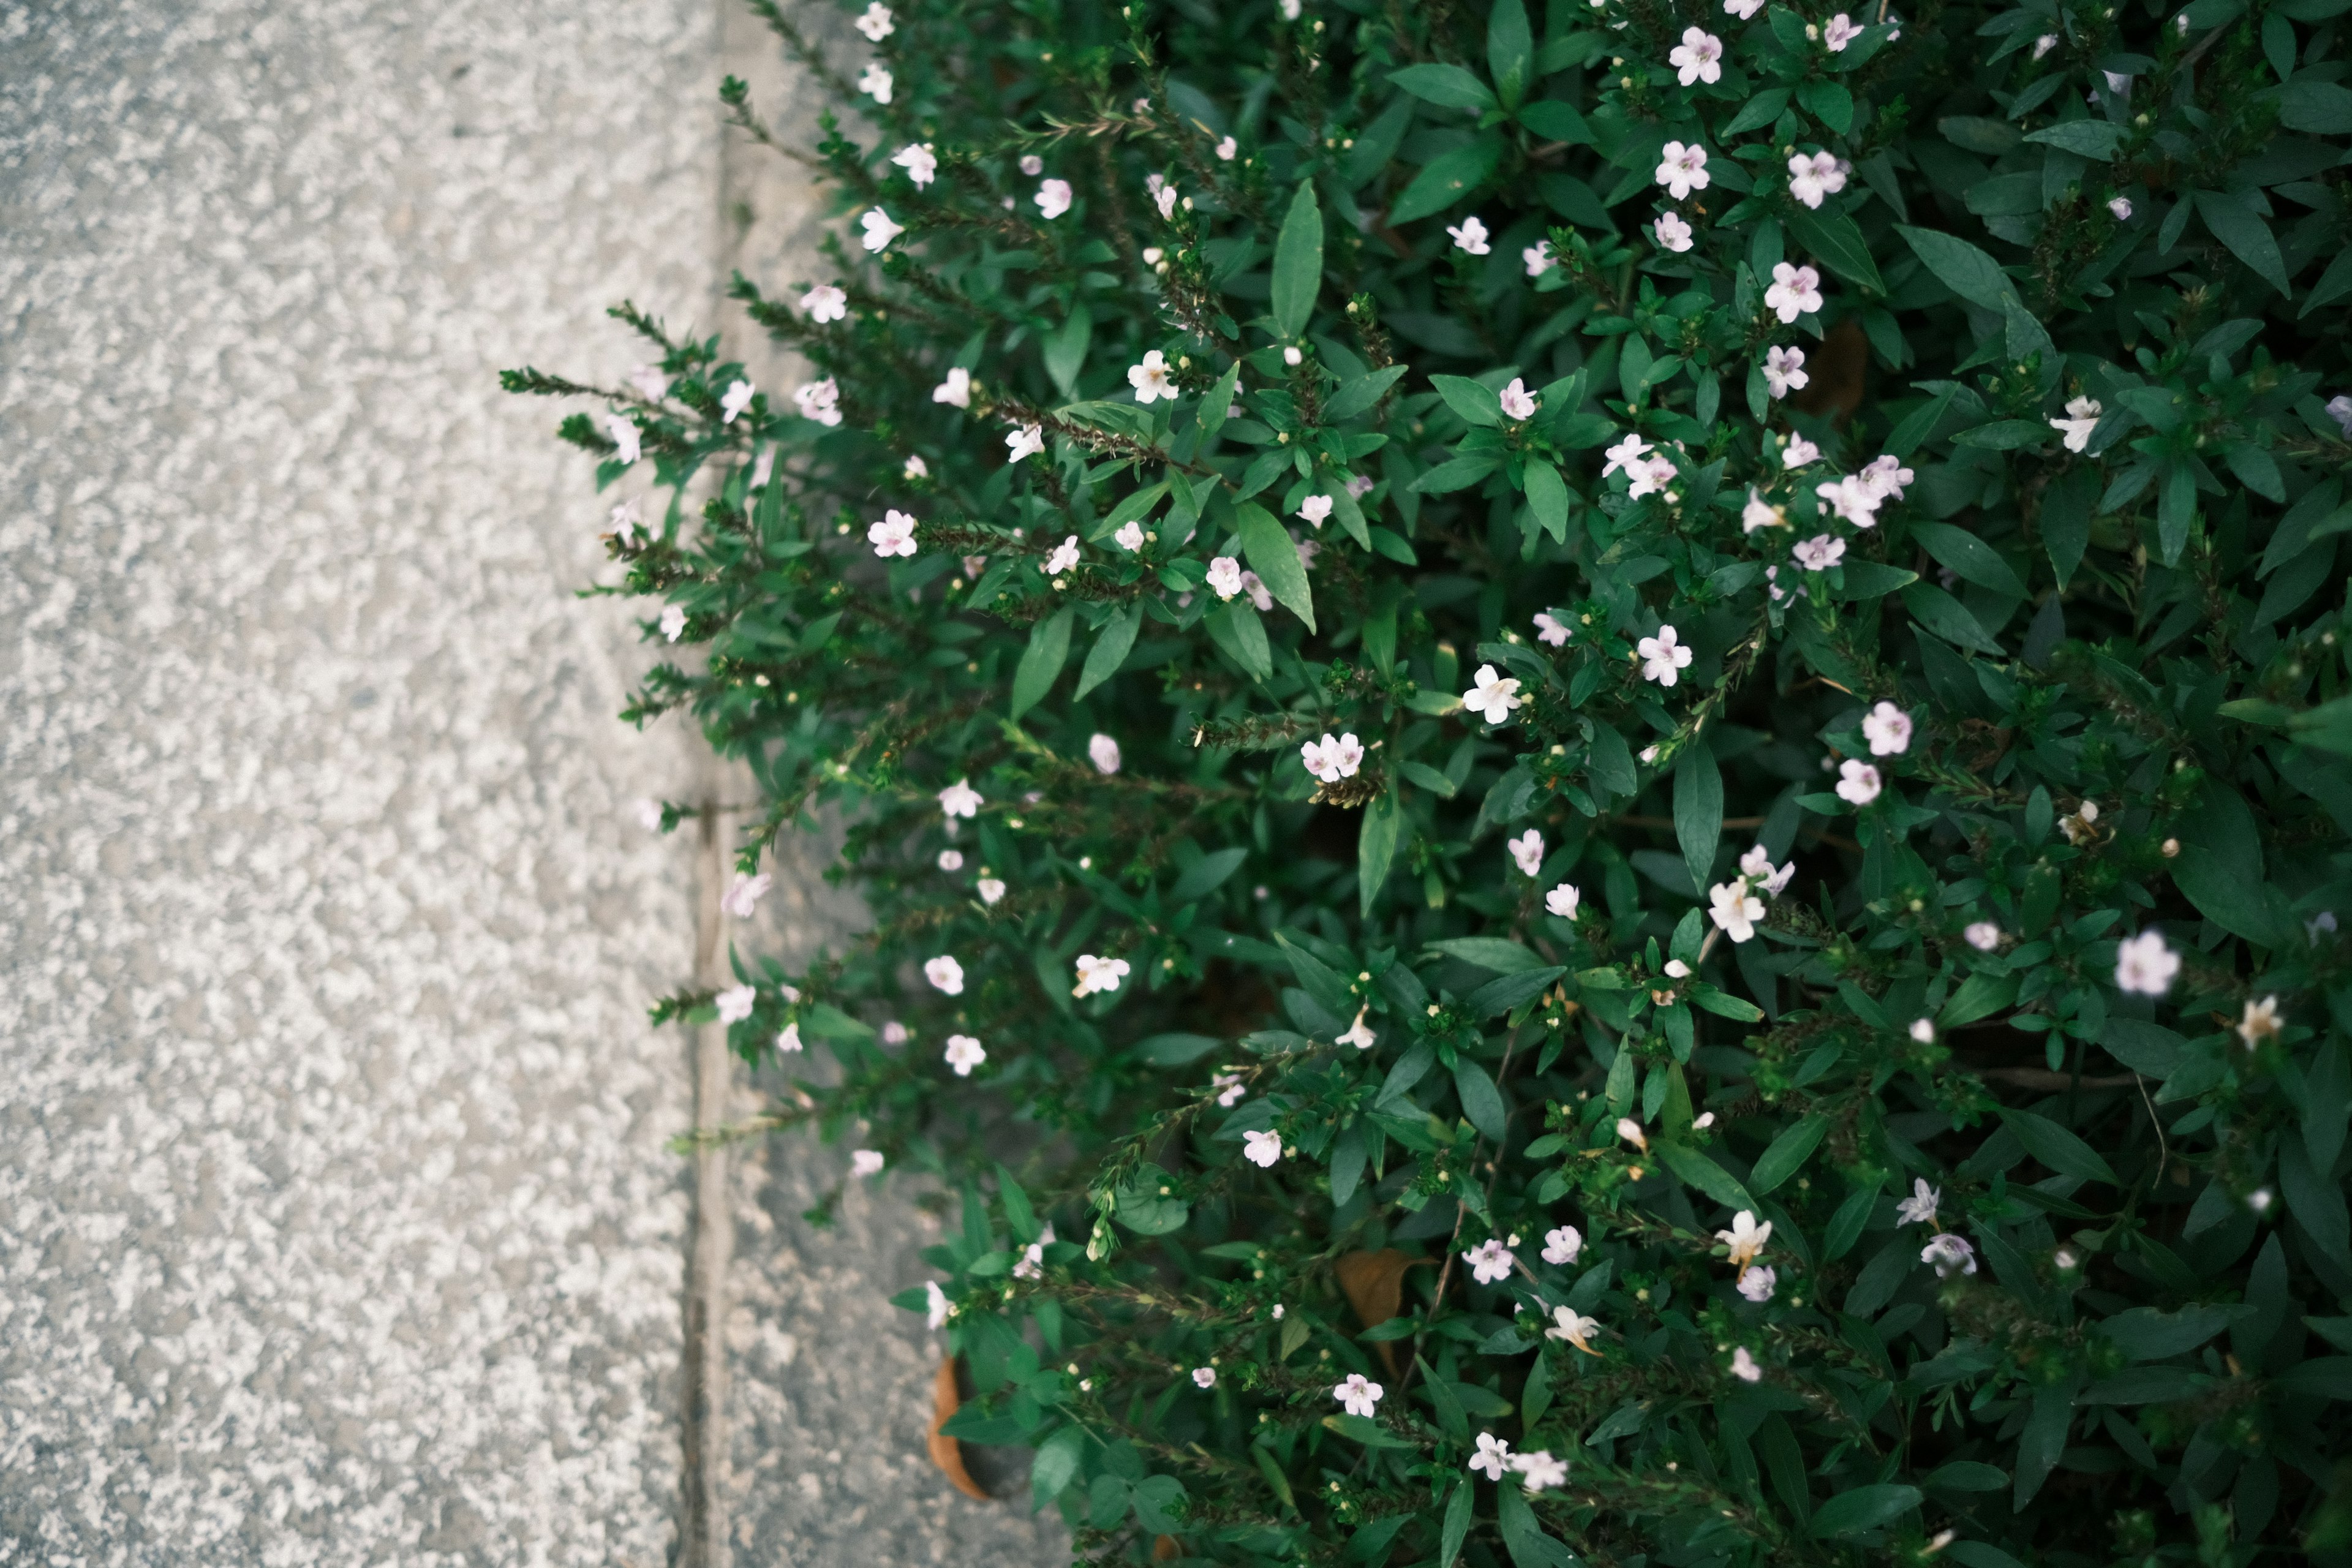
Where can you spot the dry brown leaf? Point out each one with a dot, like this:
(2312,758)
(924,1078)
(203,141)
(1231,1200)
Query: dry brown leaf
(946,1452)
(1165,1549)
(1836,371)
(1374,1283)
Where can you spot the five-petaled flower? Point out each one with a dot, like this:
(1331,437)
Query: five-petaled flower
(1540,1471)
(1537,257)
(876,24)
(1152,379)
(1470,235)
(1743,9)
(1053,197)
(1664,656)
(893,535)
(1623,455)
(1204,1377)
(1757,1282)
(1225,576)
(1226,150)
(739,900)
(1489,1261)
(1527,852)
(1576,1330)
(1858,782)
(2145,965)
(1797,451)
(1949,1253)
(1920,1208)
(1358,1033)
(944,972)
(1129,536)
(820,401)
(1493,1458)
(1025,442)
(673,623)
(1332,760)
(956,390)
(1812,177)
(1674,233)
(1886,476)
(787,1038)
(1262,1149)
(1698,57)
(1317,510)
(2261,1022)
(990,890)
(1744,1367)
(1230,1088)
(1551,629)
(1853,498)
(1820,553)
(1734,909)
(1982,935)
(1746,1238)
(1840,30)
(879,230)
(876,82)
(1795,290)
(1562,901)
(964,1053)
(1563,1244)
(1760,513)
(1784,369)
(734,400)
(735,1003)
(1518,402)
(824,303)
(1682,169)
(629,440)
(1065,557)
(960,799)
(866,1162)
(1358,1394)
(1097,974)
(1889,730)
(922,164)
(1492,697)
(2082,418)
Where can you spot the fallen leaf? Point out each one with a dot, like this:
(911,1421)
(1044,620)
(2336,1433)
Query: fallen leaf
(1374,1283)
(946,1452)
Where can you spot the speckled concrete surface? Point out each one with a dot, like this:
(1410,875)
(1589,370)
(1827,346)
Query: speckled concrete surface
(336,1223)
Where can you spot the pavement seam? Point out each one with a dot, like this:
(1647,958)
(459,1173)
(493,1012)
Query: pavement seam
(703,1537)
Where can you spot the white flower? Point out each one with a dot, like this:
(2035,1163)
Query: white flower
(876,22)
(1230,1088)
(648,813)
(1226,149)
(1760,513)
(1518,402)
(893,535)
(2121,207)
(1103,751)
(1784,369)
(1683,169)
(879,230)
(1797,452)
(739,900)
(1650,476)
(1858,782)
(2260,1022)
(1757,1283)
(1537,257)
(894,1033)
(1663,657)
(1746,1238)
(820,401)
(735,1003)
(1889,730)
(1359,1034)
(1743,9)
(1025,442)
(1358,1394)
(1262,1149)
(2143,965)
(1677,970)
(1065,557)
(1471,235)
(1982,935)
(1129,536)
(1949,1253)
(922,164)
(1204,1377)
(787,1038)
(1576,1330)
(1735,909)
(1528,850)
(1255,586)
(936,1300)
(875,83)
(1743,1365)
(1631,1131)
(1922,1030)
(1489,1261)
(956,389)
(1840,31)
(627,438)
(1538,1470)
(1920,1208)
(1333,760)
(946,974)
(1698,57)
(651,384)
(2044,44)
(1550,630)
(2082,418)
(673,623)
(1492,1457)
(1225,576)
(734,400)
(1032,165)
(1097,974)
(1053,197)
(1033,1256)
(824,303)
(1492,697)
(1290,9)
(1165,199)
(1795,290)
(1151,378)
(960,799)
(989,889)
(913,469)
(1820,553)
(1811,178)
(625,520)
(1561,1245)
(964,1053)
(866,1162)
(1851,498)
(1624,455)
(1672,233)
(1562,901)
(1886,476)
(1315,509)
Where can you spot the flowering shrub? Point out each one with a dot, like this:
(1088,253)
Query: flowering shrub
(1610,748)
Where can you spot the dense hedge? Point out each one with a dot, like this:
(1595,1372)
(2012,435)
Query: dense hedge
(1610,748)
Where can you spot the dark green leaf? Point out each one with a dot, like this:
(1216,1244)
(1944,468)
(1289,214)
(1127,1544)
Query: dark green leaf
(1482,1103)
(1968,557)
(1448,178)
(1175,1050)
(1864,1508)
(1448,87)
(2056,1147)
(1698,810)
(1041,662)
(1111,647)
(1274,558)
(1788,1153)
(1297,264)
(1960,266)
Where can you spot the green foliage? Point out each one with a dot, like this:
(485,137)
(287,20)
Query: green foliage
(1501,747)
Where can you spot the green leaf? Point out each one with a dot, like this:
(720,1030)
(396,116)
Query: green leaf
(1698,810)
(2066,508)
(1482,1102)
(1503,995)
(1448,178)
(1065,350)
(2094,139)
(1220,398)
(1358,395)
(1510,50)
(1175,1050)
(1041,662)
(1456,474)
(1547,499)
(1297,264)
(1207,874)
(1947,617)
(1363,1429)
(1111,647)
(1457,1525)
(1697,1170)
(1159,1501)
(1376,846)
(1870,580)
(2143,1333)
(1967,1476)
(1557,121)
(2322,107)
(1448,87)
(1968,557)
(1761,110)
(2220,869)
(1495,952)
(2327,1377)
(1236,627)
(1828,102)
(1788,1153)
(1274,558)
(2238,225)
(1864,1508)
(2006,435)
(1529,1547)
(1143,1208)
(1476,403)
(2057,1148)
(1960,266)
(1836,241)
(1056,1465)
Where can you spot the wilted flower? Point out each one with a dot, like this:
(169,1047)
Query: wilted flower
(964,1053)
(1631,1131)
(1359,1034)
(2121,207)
(1103,751)
(1746,1238)
(2145,965)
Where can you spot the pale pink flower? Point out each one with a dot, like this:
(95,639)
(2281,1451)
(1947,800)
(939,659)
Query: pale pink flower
(1024,442)
(1527,852)
(1650,476)
(1812,177)
(1065,557)
(1518,402)
(820,401)
(990,890)
(2145,965)
(2121,207)
(1889,730)
(1734,909)
(1129,536)
(876,82)
(922,164)
(1797,451)
(1563,900)
(1743,1365)
(945,974)
(1886,476)
(788,1039)
(1358,1033)
(893,535)
(1795,290)
(1698,57)
(1225,576)
(1550,630)
(1920,1208)
(745,896)
(1053,197)
(1949,1253)
(876,22)
(958,799)
(1489,1261)
(1537,258)
(1262,1149)
(673,623)
(735,1003)
(1760,513)
(1563,1244)
(956,390)
(1683,169)
(1358,1394)
(627,438)
(1840,31)
(1982,935)
(1538,1470)
(1853,499)
(1315,509)
(1492,697)
(964,1053)
(2260,1022)
(1204,1377)
(825,303)
(1858,782)
(1664,656)
(1494,1456)
(1624,455)
(1820,553)
(879,230)
(1672,233)
(2082,418)
(1757,1283)
(1471,236)
(1097,974)
(1784,369)
(1226,149)
(866,1162)
(1746,1238)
